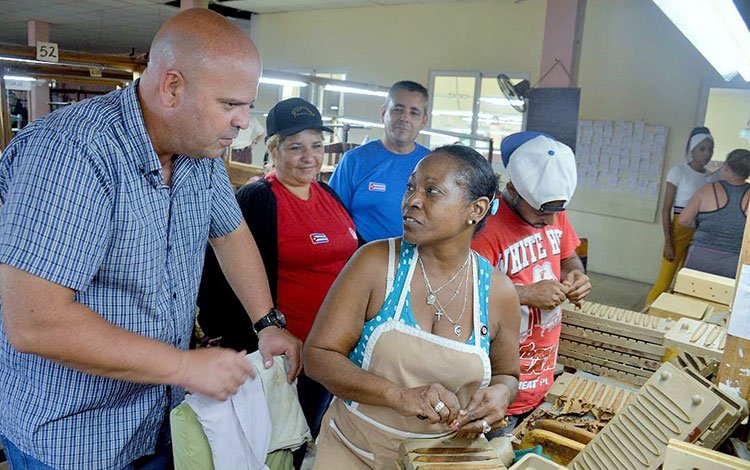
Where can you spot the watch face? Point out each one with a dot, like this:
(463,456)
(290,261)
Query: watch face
(280,318)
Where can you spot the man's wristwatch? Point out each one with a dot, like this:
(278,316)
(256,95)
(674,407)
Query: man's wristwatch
(273,318)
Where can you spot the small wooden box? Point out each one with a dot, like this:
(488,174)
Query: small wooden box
(676,306)
(705,286)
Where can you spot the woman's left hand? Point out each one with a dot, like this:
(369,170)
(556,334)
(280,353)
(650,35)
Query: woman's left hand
(487,406)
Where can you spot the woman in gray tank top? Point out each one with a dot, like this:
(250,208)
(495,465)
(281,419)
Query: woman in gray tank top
(719,211)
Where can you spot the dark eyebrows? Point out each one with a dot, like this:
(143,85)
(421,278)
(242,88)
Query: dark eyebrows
(235,102)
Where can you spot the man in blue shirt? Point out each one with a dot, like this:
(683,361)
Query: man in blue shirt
(371,179)
(106,210)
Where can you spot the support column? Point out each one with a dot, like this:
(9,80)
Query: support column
(561,49)
(39,94)
(5,124)
(734,364)
(186,4)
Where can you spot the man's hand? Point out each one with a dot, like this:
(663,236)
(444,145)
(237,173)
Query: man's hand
(578,285)
(273,341)
(215,372)
(546,294)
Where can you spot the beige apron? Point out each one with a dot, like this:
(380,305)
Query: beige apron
(355,436)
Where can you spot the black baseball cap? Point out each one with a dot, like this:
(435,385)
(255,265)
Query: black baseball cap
(293,115)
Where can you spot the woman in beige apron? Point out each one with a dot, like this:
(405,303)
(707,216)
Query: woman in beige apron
(439,355)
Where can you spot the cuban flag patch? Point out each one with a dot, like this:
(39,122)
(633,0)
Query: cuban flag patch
(378,187)
(318,238)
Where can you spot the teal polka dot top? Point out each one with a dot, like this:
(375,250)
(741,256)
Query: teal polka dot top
(388,310)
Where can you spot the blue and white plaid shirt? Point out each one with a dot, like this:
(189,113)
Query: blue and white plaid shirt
(84,206)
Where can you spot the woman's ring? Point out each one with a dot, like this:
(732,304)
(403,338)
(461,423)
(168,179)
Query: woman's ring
(485,427)
(439,407)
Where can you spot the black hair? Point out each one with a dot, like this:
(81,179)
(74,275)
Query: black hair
(475,175)
(696,131)
(408,85)
(738,161)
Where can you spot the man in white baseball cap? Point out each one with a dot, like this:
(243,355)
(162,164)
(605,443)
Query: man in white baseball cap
(531,240)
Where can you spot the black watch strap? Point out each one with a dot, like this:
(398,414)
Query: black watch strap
(273,318)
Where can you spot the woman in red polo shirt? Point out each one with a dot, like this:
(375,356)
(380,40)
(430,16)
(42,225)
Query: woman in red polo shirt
(305,237)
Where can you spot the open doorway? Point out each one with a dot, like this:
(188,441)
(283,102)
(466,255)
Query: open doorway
(725,109)
(728,117)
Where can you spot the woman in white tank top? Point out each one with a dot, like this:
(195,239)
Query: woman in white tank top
(682,182)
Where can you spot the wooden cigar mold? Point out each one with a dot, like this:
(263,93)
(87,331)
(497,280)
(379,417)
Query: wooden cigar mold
(455,454)
(573,394)
(731,415)
(704,366)
(611,341)
(698,338)
(672,404)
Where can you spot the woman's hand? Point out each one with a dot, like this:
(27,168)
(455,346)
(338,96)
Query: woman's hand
(424,403)
(488,405)
(668,251)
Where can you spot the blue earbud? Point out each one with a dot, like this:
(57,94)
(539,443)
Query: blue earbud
(494,205)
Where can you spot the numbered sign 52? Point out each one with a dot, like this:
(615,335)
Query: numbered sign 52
(46,51)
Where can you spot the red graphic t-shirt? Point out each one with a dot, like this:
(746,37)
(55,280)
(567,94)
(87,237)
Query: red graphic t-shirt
(527,255)
(316,238)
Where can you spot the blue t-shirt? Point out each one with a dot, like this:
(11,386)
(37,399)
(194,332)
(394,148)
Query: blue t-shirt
(371,181)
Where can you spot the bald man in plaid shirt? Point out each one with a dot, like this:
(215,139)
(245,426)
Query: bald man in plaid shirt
(106,210)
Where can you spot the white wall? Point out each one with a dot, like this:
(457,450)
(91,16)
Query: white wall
(635,65)
(727,113)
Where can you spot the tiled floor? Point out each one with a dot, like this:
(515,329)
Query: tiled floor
(618,292)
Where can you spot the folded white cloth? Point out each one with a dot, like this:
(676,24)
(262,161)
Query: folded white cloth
(238,429)
(243,429)
(290,428)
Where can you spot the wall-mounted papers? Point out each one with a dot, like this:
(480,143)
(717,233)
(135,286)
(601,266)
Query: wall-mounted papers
(620,165)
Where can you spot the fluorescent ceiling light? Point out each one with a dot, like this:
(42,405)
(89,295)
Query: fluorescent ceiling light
(501,101)
(435,133)
(716,29)
(358,122)
(25,61)
(19,78)
(282,82)
(358,91)
(451,112)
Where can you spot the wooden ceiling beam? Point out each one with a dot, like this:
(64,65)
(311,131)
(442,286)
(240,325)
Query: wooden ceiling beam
(124,62)
(37,70)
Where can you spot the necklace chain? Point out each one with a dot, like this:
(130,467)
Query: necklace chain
(433,300)
(432,294)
